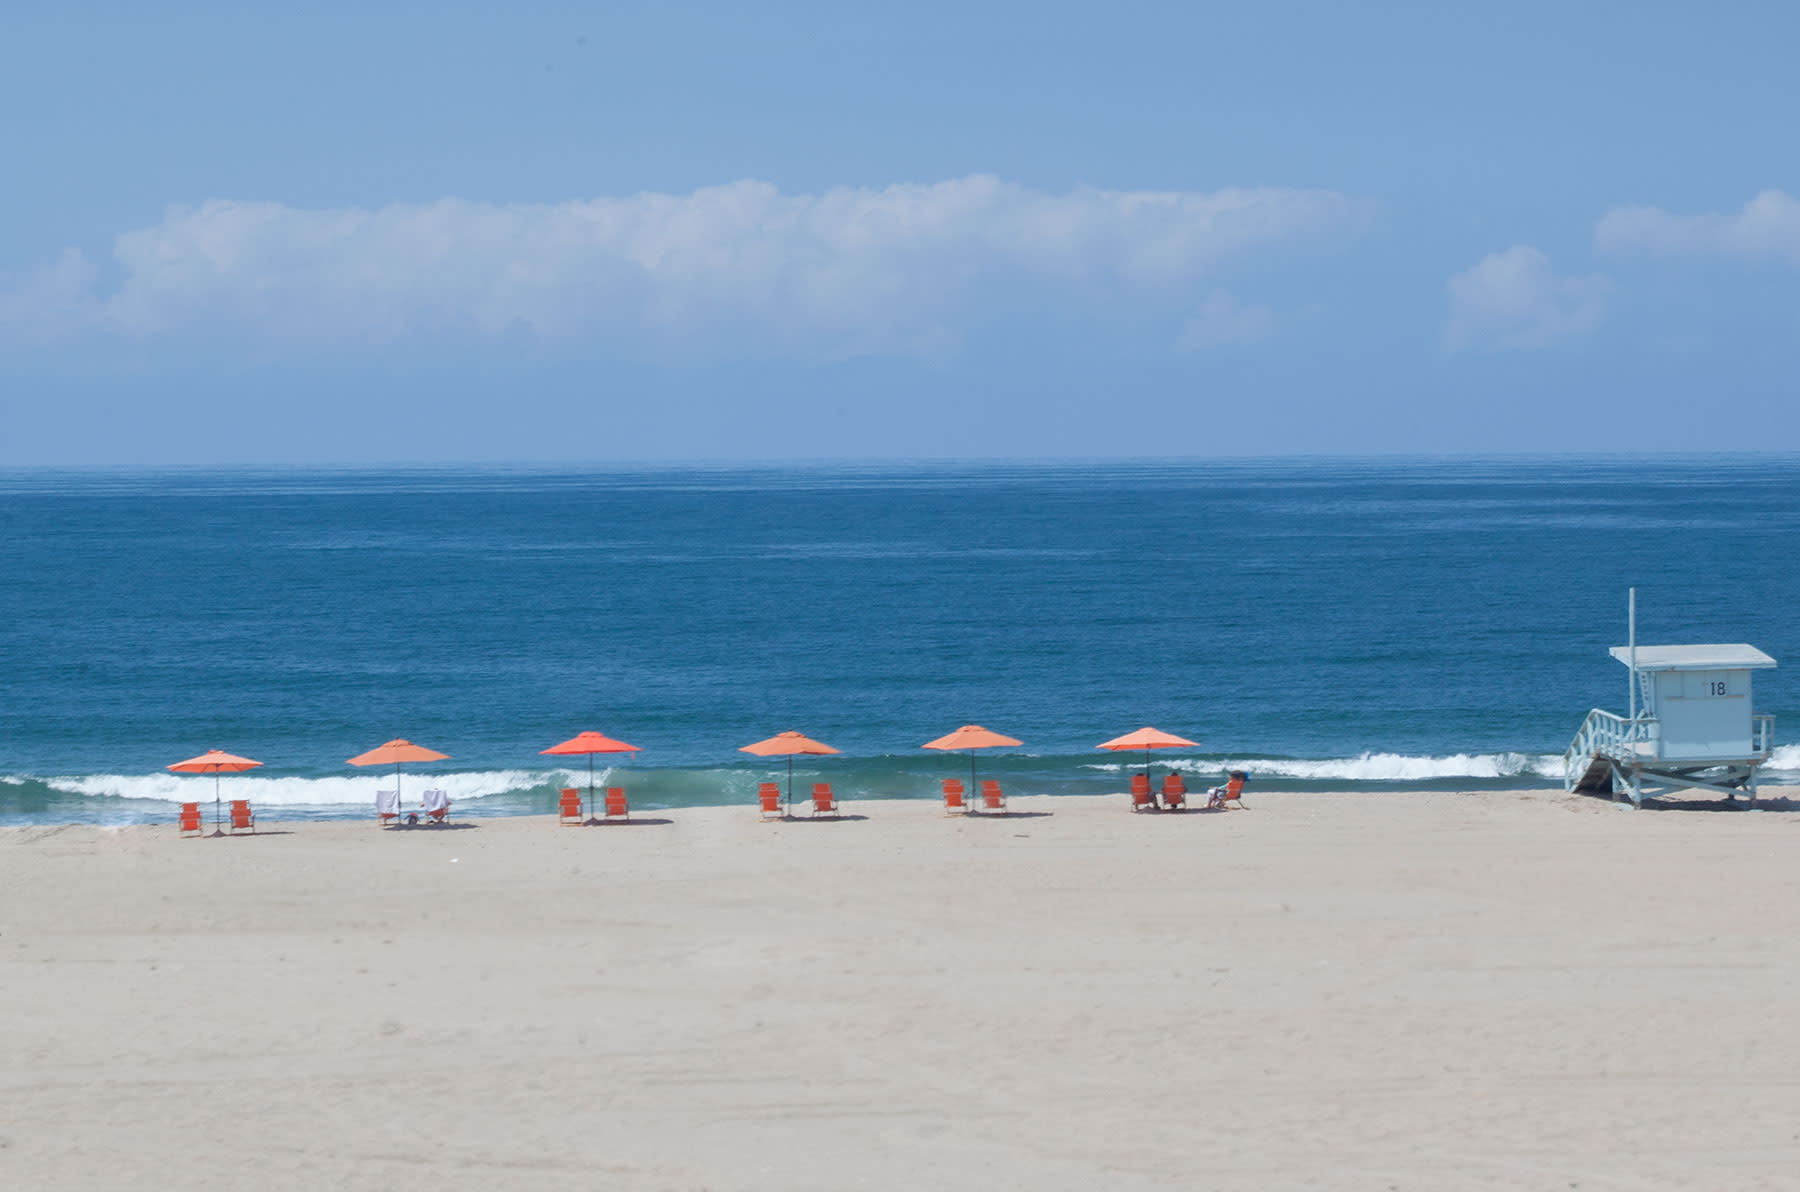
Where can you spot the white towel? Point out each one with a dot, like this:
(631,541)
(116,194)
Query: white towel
(387,802)
(436,801)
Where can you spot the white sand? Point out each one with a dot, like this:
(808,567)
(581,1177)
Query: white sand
(1367,991)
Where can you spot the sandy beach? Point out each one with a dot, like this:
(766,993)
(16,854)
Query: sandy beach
(1413,991)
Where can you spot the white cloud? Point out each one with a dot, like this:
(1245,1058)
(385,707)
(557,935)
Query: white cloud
(740,268)
(1512,299)
(1766,229)
(1222,320)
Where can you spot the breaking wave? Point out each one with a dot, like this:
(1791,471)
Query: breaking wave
(1371,767)
(1784,762)
(337,791)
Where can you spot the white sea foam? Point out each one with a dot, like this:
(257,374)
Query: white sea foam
(347,790)
(1373,767)
(1784,762)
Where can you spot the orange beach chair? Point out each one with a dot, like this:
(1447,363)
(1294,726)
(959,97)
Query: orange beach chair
(387,807)
(568,807)
(616,807)
(190,820)
(1174,793)
(242,818)
(953,797)
(1221,797)
(991,798)
(1141,798)
(437,806)
(824,802)
(768,796)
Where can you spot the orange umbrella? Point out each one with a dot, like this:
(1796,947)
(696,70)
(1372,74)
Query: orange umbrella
(393,753)
(215,762)
(971,737)
(590,743)
(787,745)
(1146,739)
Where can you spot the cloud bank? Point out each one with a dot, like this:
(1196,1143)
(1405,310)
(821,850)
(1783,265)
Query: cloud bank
(740,268)
(1513,299)
(1767,229)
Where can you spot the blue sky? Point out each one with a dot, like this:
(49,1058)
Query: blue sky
(564,232)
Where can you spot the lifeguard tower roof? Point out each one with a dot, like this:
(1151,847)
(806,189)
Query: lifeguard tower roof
(1728,656)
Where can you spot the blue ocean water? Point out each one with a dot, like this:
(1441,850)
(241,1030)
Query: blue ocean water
(1331,624)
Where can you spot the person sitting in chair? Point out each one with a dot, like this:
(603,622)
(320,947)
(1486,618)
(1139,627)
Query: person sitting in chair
(1219,796)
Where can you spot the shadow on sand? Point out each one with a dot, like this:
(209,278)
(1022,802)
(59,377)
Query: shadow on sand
(1716,803)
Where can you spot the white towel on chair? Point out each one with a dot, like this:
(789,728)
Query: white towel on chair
(387,802)
(436,801)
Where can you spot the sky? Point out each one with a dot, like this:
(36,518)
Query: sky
(580,233)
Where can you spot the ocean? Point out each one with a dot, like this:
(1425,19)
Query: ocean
(1324,624)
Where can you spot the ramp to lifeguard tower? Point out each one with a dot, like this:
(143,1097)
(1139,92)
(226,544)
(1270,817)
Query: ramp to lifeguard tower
(1600,757)
(1593,774)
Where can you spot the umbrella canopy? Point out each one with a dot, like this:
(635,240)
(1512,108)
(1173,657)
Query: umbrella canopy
(787,745)
(590,743)
(971,737)
(396,751)
(1146,739)
(393,753)
(215,762)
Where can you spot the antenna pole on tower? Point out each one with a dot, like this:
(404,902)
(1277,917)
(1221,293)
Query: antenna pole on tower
(1632,651)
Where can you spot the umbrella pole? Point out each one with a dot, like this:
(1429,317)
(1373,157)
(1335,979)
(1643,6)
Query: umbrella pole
(218,823)
(592,817)
(787,808)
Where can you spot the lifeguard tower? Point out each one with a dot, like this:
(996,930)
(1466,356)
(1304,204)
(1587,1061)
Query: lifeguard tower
(1691,727)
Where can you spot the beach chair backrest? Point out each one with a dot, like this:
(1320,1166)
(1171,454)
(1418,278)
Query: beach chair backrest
(190,817)
(1174,791)
(1140,789)
(769,793)
(1235,787)
(615,800)
(822,796)
(953,792)
(387,804)
(240,813)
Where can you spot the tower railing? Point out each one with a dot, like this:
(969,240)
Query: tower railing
(1607,734)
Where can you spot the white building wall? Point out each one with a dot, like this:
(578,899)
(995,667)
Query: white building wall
(1704,715)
